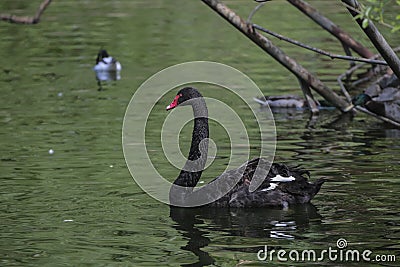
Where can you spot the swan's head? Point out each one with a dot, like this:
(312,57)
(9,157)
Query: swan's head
(184,95)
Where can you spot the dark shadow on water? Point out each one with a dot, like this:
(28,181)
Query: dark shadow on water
(195,224)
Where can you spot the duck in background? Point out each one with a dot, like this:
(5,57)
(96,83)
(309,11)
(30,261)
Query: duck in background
(382,98)
(105,62)
(107,68)
(385,104)
(283,101)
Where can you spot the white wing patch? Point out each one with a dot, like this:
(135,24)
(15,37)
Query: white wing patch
(280,178)
(271,186)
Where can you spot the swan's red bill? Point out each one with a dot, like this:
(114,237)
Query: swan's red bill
(174,102)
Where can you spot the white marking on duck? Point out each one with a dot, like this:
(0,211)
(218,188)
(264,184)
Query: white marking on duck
(280,178)
(108,60)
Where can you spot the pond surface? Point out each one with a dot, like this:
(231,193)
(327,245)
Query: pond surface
(79,205)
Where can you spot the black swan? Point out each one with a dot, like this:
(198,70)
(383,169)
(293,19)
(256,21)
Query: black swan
(282,185)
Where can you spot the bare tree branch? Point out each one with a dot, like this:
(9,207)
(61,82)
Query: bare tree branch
(278,54)
(348,97)
(26,20)
(312,104)
(376,38)
(348,73)
(331,27)
(377,116)
(317,50)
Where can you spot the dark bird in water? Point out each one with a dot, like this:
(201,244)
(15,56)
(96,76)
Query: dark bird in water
(386,104)
(282,101)
(281,185)
(105,62)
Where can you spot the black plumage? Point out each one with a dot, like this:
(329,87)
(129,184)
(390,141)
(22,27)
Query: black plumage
(281,185)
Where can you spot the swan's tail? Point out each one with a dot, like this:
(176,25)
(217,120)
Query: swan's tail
(317,185)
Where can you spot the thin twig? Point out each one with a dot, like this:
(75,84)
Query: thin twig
(348,73)
(347,50)
(312,104)
(351,8)
(339,80)
(351,70)
(317,50)
(395,123)
(360,81)
(26,20)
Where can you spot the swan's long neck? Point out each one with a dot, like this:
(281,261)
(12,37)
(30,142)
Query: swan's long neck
(194,166)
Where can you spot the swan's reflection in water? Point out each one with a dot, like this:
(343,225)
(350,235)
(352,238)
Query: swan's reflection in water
(106,76)
(195,224)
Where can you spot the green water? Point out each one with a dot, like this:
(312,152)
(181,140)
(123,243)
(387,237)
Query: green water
(80,206)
